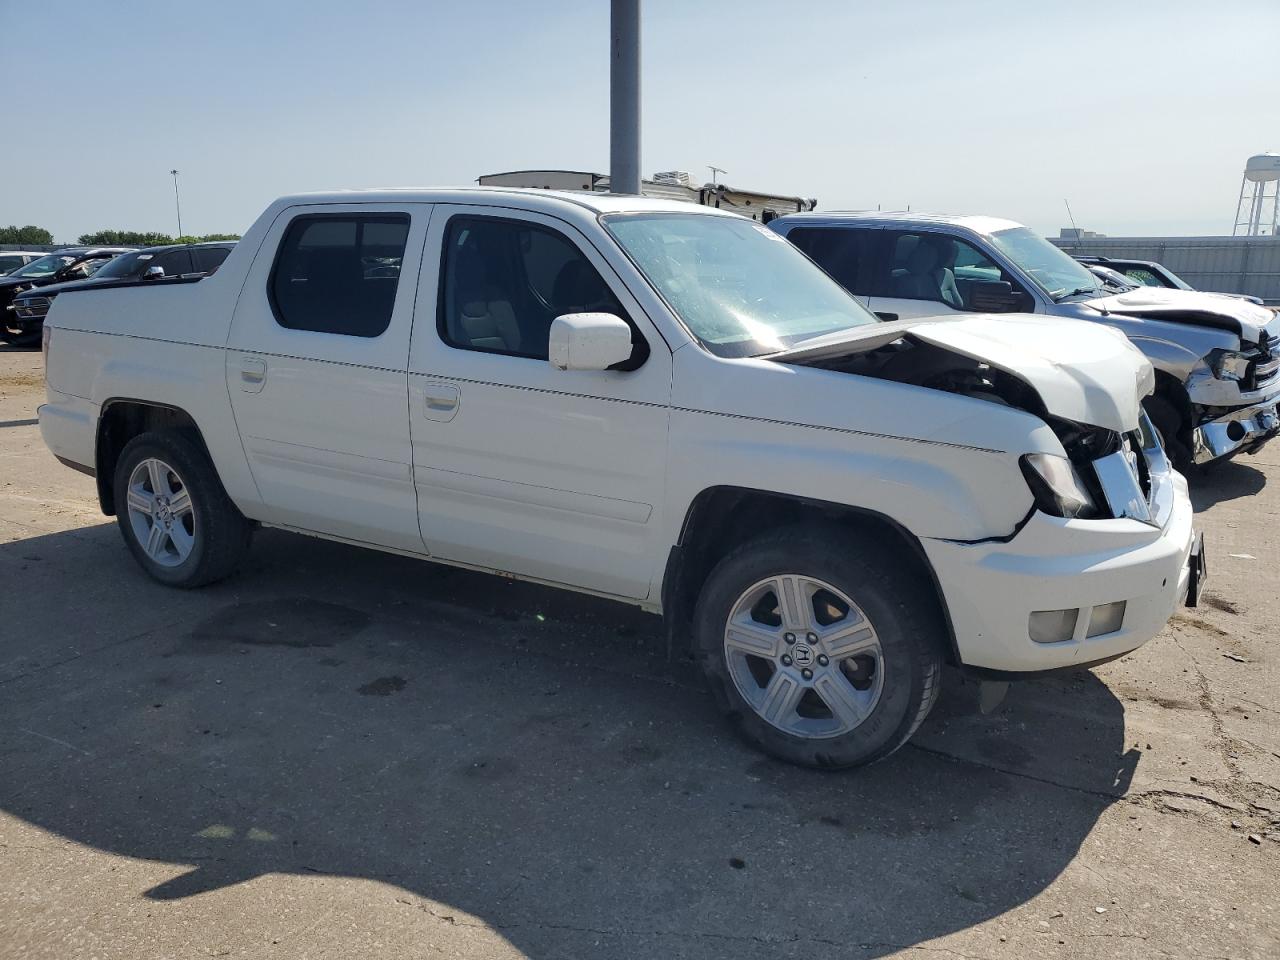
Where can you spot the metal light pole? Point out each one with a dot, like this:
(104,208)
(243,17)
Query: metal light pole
(176,202)
(624,96)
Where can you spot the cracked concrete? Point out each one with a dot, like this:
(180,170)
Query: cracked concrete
(200,774)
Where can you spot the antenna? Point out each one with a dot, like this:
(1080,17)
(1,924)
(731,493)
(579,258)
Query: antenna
(1072,219)
(714,170)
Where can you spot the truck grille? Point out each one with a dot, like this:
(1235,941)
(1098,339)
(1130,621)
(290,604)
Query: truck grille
(32,307)
(1266,367)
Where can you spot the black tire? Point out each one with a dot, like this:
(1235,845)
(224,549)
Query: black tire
(27,338)
(894,597)
(220,533)
(1169,422)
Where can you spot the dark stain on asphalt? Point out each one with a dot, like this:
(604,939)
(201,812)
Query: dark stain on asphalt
(289,622)
(489,769)
(1005,750)
(382,687)
(1226,606)
(640,752)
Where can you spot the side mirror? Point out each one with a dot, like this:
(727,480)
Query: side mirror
(153,273)
(588,341)
(995,297)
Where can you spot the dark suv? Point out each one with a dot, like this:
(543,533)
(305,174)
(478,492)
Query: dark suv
(26,314)
(69,263)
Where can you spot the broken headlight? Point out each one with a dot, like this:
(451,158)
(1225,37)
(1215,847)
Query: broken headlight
(1058,489)
(1228,365)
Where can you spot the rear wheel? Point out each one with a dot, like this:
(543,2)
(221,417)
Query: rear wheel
(174,515)
(818,656)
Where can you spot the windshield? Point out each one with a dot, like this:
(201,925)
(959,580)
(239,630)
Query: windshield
(1052,270)
(124,267)
(740,289)
(44,267)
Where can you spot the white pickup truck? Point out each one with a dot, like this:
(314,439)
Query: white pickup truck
(667,406)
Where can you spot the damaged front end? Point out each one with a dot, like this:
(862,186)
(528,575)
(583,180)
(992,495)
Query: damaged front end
(1113,468)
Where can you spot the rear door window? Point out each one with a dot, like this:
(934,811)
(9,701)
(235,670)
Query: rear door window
(339,273)
(209,259)
(841,251)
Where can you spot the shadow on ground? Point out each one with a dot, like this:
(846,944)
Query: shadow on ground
(521,755)
(1228,480)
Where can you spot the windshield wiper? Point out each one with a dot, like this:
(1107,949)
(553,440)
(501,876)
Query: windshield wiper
(1074,293)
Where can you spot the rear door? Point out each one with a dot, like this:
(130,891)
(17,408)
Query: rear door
(316,370)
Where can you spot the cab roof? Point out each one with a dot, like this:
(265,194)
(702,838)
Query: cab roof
(977,224)
(532,198)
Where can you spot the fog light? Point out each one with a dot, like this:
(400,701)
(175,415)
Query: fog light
(1106,618)
(1052,626)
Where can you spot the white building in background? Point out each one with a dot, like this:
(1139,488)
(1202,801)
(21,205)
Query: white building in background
(668,185)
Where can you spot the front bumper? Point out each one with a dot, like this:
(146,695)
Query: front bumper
(991,589)
(21,318)
(1246,428)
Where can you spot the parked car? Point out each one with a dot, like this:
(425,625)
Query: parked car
(11,260)
(70,263)
(1111,278)
(1217,358)
(666,406)
(28,310)
(1148,273)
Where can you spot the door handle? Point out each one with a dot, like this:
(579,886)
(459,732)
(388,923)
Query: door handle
(253,374)
(440,399)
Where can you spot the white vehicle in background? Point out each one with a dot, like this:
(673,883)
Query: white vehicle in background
(11,260)
(1217,357)
(663,404)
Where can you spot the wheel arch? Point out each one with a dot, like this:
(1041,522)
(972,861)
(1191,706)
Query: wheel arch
(720,518)
(119,421)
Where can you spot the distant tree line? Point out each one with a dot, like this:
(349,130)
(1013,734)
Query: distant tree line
(115,238)
(27,234)
(134,238)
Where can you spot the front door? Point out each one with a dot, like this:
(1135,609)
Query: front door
(923,273)
(316,370)
(520,467)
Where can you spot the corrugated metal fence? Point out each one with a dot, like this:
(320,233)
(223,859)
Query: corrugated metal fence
(1225,264)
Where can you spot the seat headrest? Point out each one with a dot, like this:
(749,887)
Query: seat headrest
(922,259)
(577,286)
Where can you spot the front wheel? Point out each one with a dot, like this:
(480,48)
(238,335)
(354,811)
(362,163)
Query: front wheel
(176,518)
(823,652)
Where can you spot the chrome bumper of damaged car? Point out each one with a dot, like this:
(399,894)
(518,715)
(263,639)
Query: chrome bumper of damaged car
(1235,431)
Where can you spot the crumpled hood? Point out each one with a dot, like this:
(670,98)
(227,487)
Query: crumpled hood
(1246,320)
(1084,372)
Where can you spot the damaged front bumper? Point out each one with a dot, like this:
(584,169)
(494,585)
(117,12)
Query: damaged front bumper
(1065,592)
(1242,430)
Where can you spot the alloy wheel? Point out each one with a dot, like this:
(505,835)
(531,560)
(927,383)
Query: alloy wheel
(804,656)
(161,513)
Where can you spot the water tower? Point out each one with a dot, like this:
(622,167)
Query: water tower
(1258,212)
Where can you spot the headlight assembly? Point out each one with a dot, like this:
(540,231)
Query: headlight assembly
(1057,487)
(1229,365)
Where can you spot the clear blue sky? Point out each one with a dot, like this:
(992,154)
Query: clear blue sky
(1140,112)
